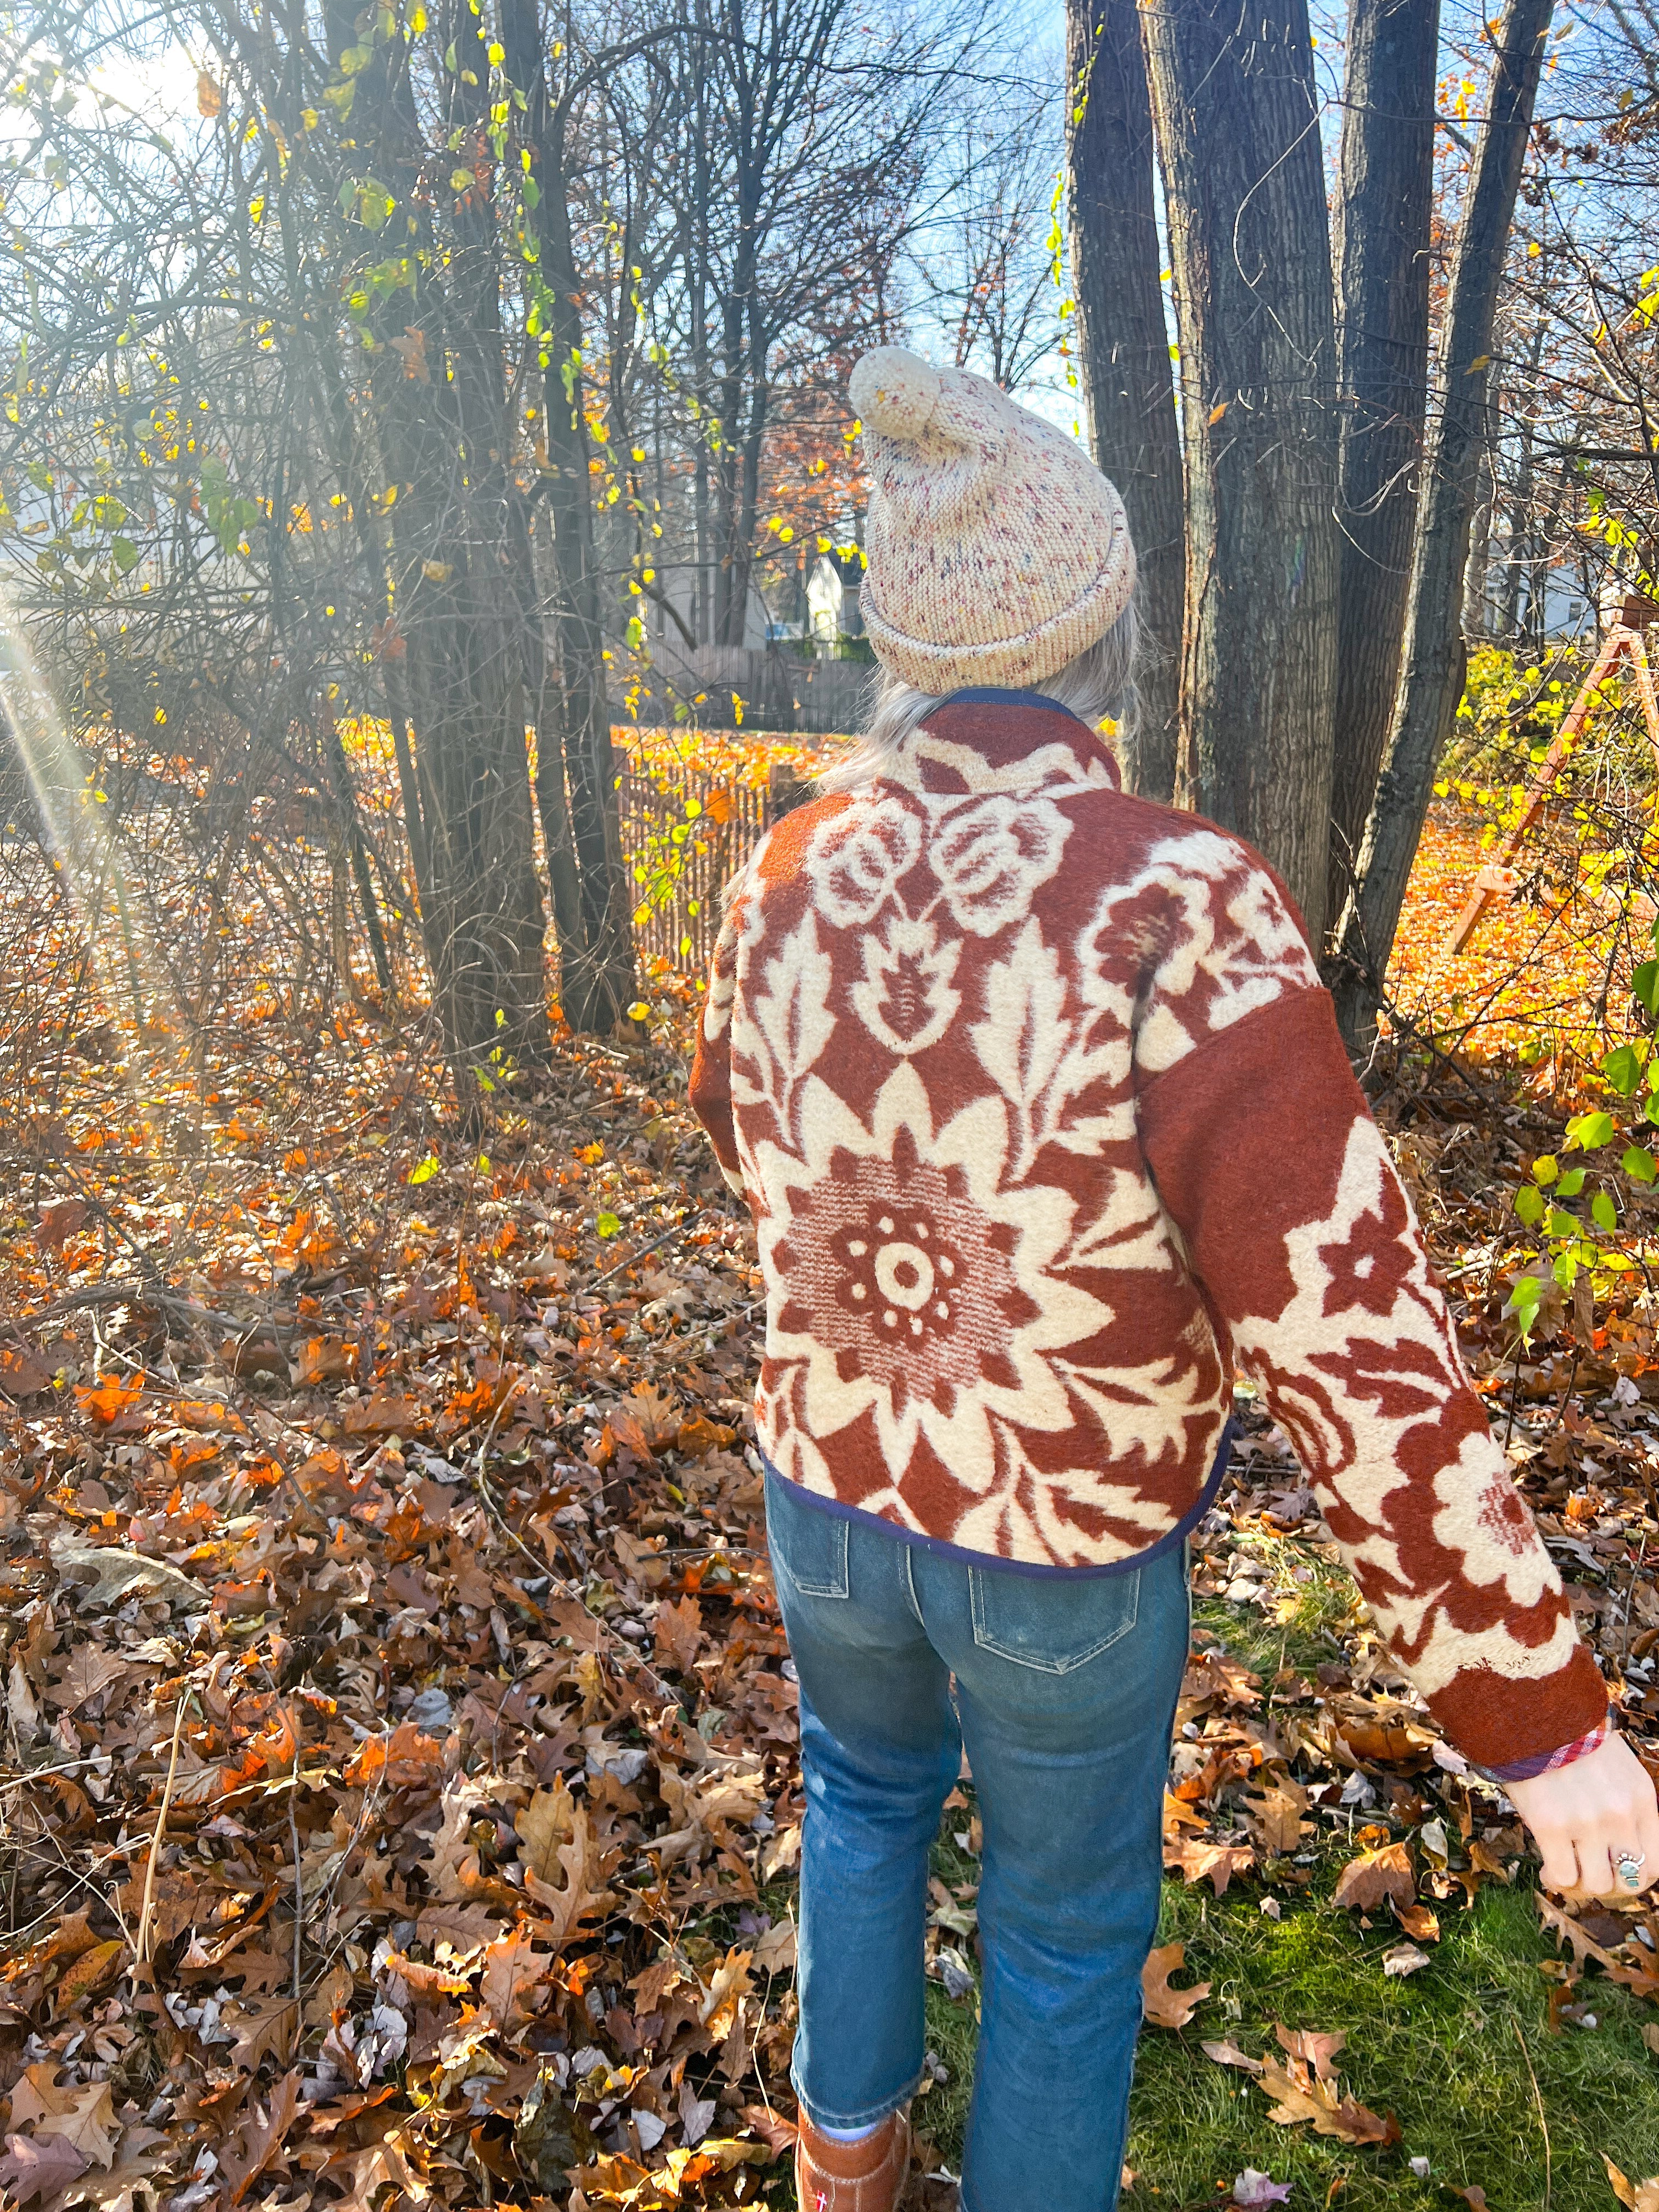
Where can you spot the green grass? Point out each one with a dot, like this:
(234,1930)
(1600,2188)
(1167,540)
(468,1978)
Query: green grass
(1454,2050)
(1446,2048)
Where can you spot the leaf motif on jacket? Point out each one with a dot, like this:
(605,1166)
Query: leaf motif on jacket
(793,1010)
(1021,1038)
(904,998)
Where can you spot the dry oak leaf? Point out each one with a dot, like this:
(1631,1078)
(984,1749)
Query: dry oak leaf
(23,1374)
(774,1951)
(106,1401)
(326,1359)
(771,2127)
(1302,2095)
(516,1973)
(727,1987)
(89,1671)
(1418,1922)
(30,2169)
(658,1413)
(404,1757)
(261,2027)
(89,1972)
(678,1631)
(1585,1948)
(1217,1864)
(1312,2047)
(1376,1876)
(1164,2007)
(1275,1817)
(85,2118)
(1229,2054)
(364,2171)
(579,1897)
(1639,2195)
(700,1434)
(429,1981)
(385,1412)
(258,2141)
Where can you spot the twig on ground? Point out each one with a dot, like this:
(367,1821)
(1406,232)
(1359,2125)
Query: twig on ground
(1543,2124)
(140,1952)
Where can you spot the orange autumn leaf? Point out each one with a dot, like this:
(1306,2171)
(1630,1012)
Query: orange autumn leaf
(408,1755)
(107,1401)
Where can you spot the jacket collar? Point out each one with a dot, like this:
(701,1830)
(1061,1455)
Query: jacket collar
(991,740)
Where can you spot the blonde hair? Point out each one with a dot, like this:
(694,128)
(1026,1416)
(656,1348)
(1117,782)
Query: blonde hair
(1097,685)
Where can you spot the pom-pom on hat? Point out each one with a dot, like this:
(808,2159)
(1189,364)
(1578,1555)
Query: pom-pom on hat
(997,550)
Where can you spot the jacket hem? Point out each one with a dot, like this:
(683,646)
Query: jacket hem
(1040,1568)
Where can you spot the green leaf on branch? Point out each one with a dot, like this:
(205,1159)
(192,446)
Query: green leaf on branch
(1572,1183)
(1524,1301)
(1590,1132)
(1639,1163)
(1623,1069)
(1645,983)
(1530,1205)
(1603,1213)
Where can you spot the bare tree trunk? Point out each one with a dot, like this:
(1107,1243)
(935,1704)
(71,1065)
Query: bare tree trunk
(1128,393)
(1383,207)
(1238,133)
(576,780)
(1476,621)
(1433,659)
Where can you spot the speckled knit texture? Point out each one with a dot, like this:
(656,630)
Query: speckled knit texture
(997,549)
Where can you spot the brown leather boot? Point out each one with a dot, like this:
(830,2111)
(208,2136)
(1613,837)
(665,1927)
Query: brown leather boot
(855,2177)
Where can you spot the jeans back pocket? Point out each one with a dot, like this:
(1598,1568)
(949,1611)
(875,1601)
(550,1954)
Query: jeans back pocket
(1053,1623)
(807,1544)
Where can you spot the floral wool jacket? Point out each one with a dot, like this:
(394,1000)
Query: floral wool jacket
(1049,1132)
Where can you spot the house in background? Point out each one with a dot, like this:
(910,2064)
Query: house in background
(832,596)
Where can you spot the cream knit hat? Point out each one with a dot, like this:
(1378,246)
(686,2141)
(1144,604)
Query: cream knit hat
(997,550)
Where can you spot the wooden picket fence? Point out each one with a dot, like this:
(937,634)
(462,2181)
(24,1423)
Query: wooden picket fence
(681,861)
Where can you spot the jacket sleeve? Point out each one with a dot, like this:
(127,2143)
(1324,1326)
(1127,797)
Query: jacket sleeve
(1302,1238)
(710,1086)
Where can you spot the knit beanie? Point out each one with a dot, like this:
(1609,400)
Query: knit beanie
(997,550)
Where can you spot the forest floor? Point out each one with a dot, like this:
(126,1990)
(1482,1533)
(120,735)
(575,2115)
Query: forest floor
(399,1787)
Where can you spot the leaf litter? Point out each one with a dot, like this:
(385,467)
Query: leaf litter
(402,1784)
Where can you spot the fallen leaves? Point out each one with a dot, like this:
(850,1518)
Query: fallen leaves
(1305,2088)
(1162,2006)
(1377,1877)
(1636,2196)
(84,2118)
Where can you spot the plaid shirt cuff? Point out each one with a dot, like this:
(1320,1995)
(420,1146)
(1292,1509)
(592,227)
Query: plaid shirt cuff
(1545,1762)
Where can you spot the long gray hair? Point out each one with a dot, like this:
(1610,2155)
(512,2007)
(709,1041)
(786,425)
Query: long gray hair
(1098,684)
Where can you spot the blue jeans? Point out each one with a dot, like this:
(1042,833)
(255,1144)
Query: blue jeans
(1064,1695)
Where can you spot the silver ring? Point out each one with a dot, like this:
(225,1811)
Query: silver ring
(1628,1866)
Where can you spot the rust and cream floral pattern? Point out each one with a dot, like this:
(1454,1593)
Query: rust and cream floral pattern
(1049,1132)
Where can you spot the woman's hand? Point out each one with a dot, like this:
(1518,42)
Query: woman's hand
(1585,1817)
